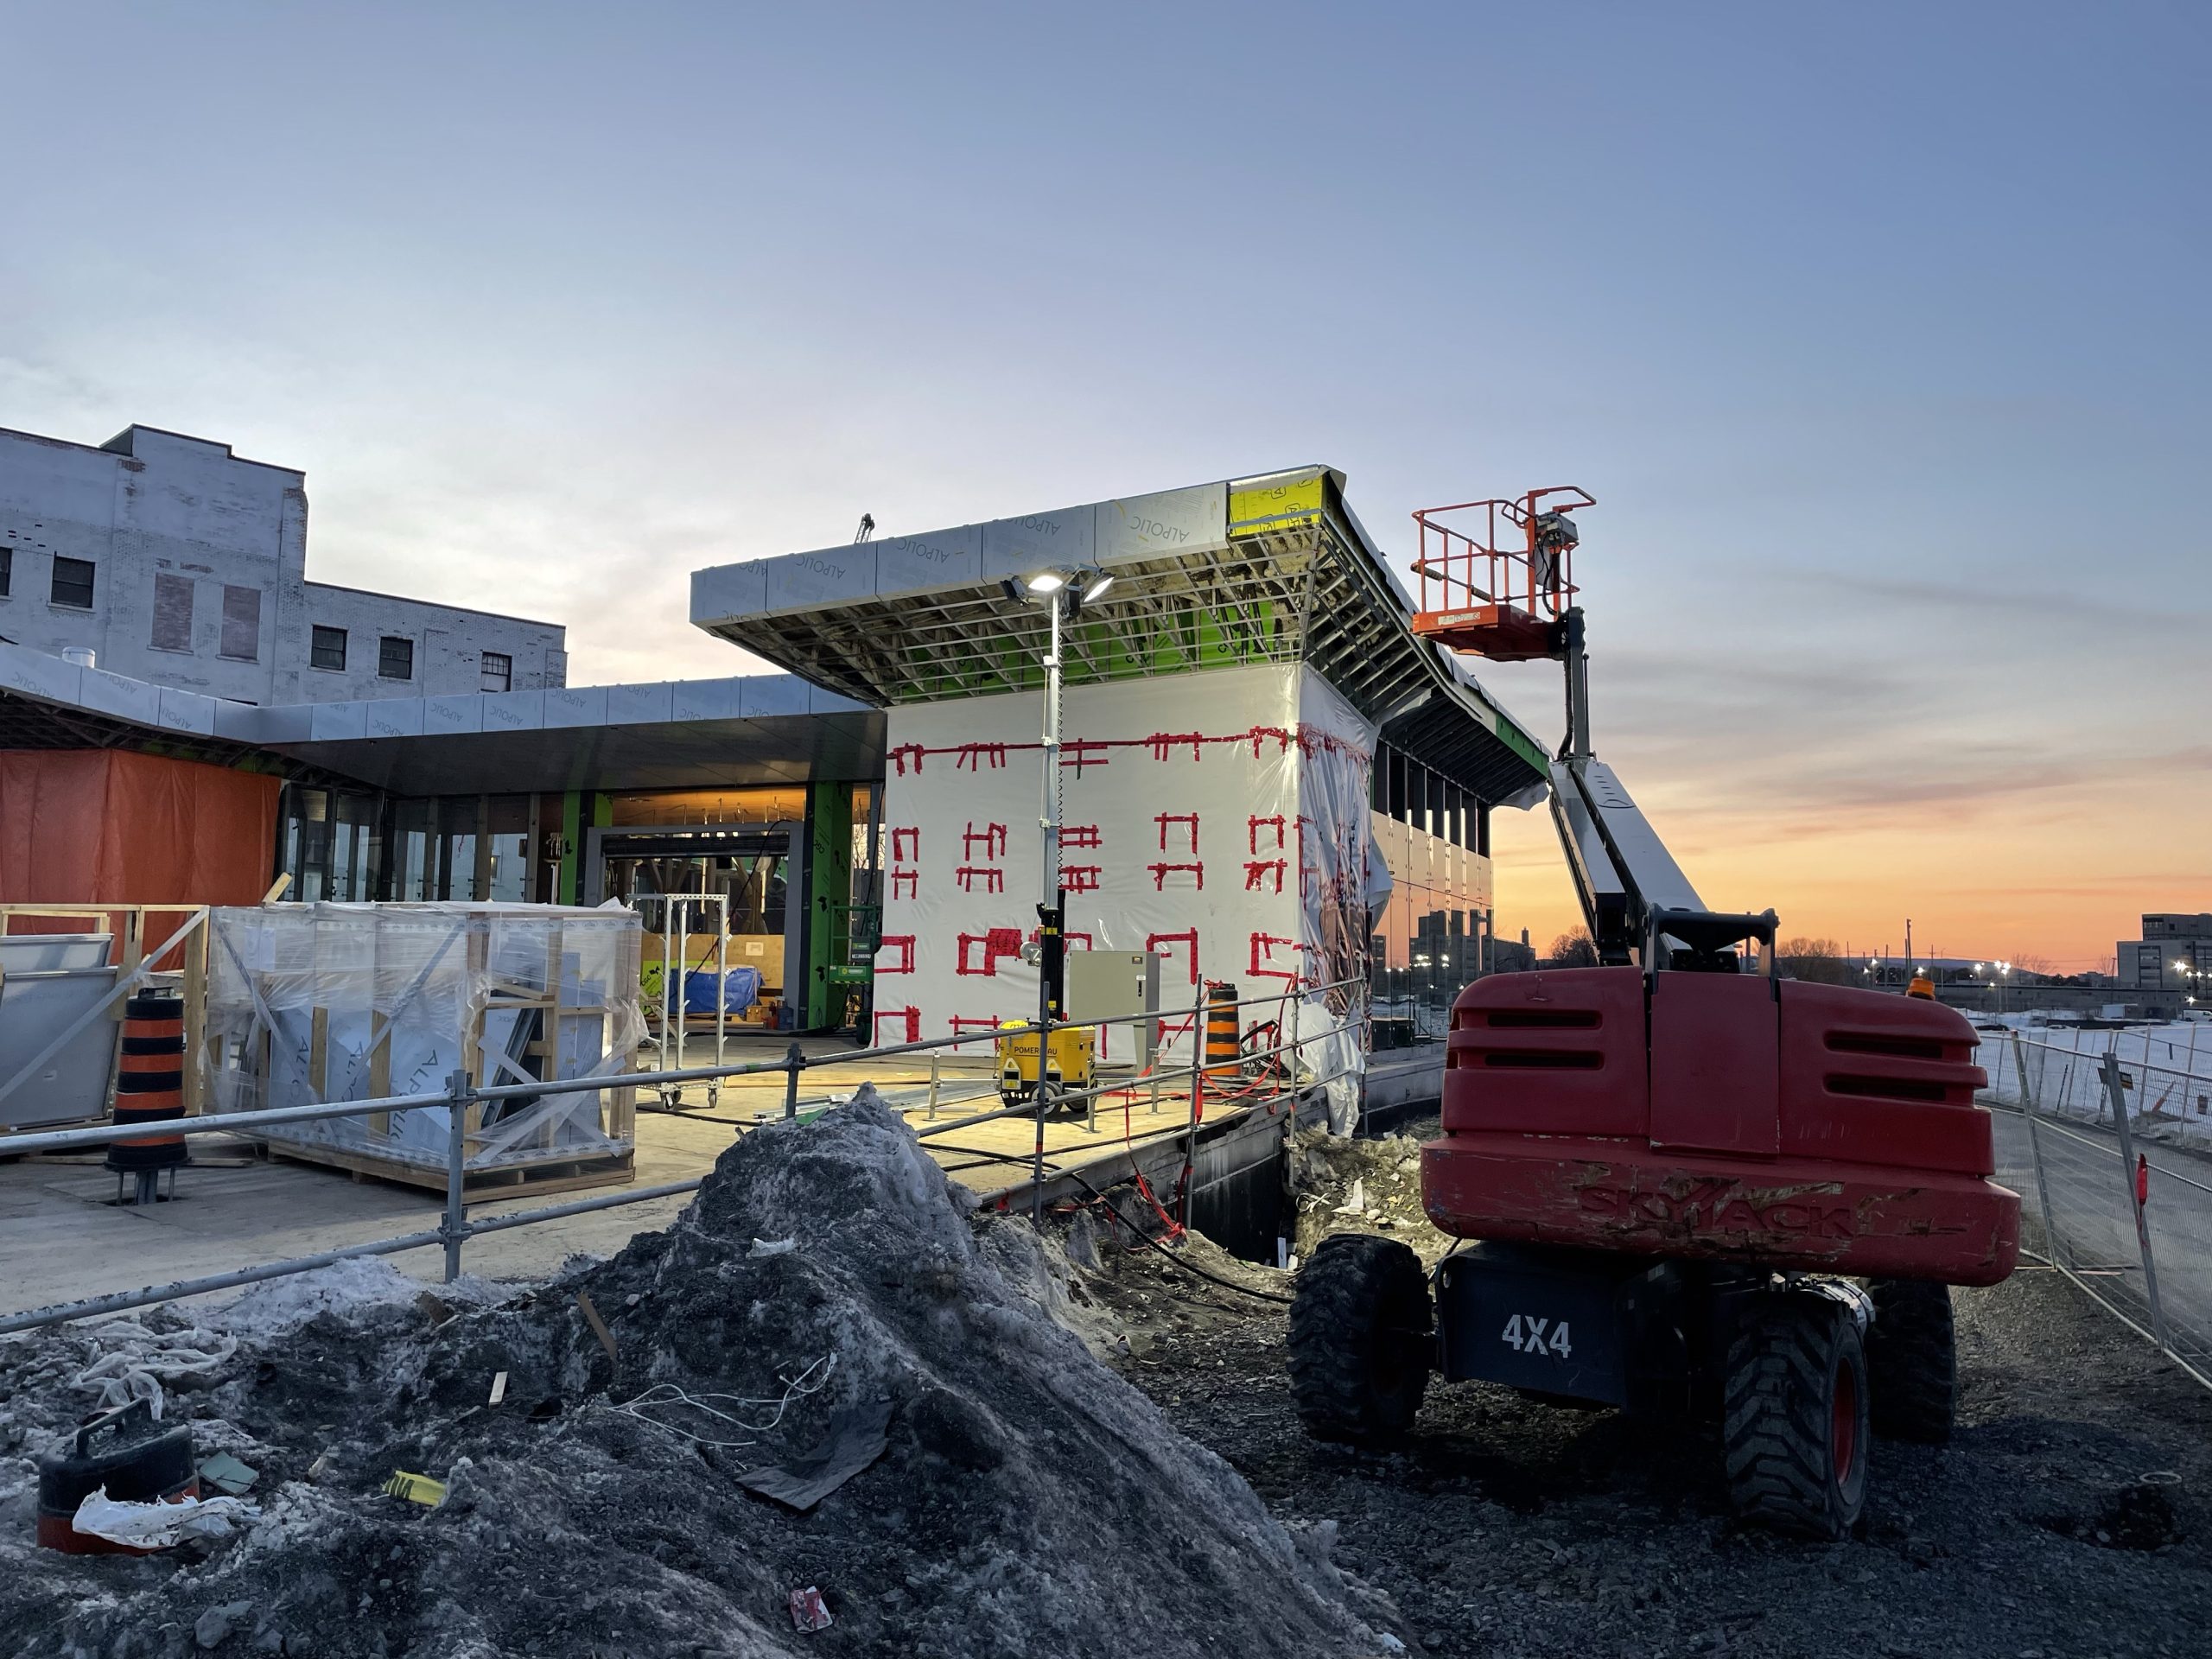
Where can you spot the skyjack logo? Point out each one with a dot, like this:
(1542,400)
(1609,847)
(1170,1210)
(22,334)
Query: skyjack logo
(1722,1207)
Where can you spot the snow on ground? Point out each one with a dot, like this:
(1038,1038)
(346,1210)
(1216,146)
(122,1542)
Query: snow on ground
(2167,1073)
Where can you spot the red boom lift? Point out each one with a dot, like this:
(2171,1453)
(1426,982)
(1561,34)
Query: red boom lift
(1693,1184)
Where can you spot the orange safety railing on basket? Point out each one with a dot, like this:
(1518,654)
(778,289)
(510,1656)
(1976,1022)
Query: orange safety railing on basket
(1485,566)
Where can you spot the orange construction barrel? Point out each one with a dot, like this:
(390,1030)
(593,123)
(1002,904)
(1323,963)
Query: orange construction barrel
(150,1087)
(1223,1052)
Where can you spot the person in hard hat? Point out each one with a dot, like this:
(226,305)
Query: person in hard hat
(1921,985)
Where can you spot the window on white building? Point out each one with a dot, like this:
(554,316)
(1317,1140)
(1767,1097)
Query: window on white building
(395,659)
(498,671)
(327,649)
(7,568)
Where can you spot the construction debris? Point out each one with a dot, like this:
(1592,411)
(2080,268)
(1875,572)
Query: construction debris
(1343,1185)
(1025,1498)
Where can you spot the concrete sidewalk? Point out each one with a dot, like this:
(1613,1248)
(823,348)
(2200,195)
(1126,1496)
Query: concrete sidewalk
(63,1237)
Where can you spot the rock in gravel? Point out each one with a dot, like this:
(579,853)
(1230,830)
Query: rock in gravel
(214,1626)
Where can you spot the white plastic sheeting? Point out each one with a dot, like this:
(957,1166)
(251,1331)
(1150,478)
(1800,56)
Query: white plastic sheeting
(326,1002)
(1217,819)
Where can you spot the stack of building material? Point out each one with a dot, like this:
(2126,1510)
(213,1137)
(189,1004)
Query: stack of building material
(327,1002)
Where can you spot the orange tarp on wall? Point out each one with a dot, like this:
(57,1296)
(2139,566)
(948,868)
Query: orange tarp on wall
(132,829)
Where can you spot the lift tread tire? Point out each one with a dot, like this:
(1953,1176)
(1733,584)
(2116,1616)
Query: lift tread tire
(1360,1344)
(1912,1362)
(1793,1428)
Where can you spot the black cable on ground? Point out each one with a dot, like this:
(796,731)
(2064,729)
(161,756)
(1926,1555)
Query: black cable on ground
(1188,1266)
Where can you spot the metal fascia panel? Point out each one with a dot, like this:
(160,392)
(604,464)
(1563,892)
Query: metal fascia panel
(723,699)
(461,712)
(116,694)
(514,711)
(394,717)
(37,675)
(340,723)
(723,591)
(830,576)
(1156,526)
(187,711)
(577,705)
(931,562)
(1039,541)
(640,705)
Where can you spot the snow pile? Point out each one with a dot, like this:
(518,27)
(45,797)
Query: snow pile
(1023,1499)
(352,1286)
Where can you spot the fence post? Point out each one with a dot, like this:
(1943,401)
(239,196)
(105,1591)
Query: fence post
(792,1057)
(453,1226)
(1198,1106)
(1044,1096)
(935,1079)
(2119,1098)
(2034,1151)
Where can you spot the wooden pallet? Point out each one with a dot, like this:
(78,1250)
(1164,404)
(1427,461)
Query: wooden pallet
(509,1180)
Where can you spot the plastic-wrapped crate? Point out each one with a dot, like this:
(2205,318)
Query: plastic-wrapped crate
(327,1002)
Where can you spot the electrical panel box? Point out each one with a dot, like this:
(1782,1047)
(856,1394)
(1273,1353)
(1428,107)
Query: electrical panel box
(1115,984)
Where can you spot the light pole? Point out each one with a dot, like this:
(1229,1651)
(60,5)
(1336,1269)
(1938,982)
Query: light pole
(1062,593)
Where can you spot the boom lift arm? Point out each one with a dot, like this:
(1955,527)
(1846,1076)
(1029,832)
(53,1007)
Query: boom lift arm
(1515,603)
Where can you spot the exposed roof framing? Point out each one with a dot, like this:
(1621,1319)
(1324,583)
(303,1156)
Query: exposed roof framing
(1309,588)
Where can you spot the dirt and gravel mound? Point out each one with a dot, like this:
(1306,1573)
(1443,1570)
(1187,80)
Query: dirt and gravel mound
(826,1281)
(1345,1185)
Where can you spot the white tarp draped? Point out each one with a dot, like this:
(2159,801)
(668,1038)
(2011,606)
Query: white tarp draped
(1217,819)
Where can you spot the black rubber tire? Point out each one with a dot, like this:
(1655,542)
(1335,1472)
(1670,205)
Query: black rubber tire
(1912,1361)
(1360,1339)
(1797,1455)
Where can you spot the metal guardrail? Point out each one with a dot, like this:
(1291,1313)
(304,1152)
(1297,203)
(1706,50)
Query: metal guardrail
(2101,1149)
(454,1227)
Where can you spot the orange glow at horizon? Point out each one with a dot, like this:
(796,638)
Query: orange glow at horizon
(2060,871)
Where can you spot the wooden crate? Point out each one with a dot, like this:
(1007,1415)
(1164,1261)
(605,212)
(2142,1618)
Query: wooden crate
(376,1144)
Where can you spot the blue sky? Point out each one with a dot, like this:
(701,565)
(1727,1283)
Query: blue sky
(1880,333)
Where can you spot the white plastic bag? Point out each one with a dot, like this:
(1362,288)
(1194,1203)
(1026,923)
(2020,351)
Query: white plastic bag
(158,1526)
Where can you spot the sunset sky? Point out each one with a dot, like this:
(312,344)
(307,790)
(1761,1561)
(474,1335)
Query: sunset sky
(1880,333)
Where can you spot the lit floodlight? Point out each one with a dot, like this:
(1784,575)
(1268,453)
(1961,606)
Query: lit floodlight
(1047,582)
(1096,588)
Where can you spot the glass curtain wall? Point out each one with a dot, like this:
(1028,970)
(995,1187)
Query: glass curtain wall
(328,843)
(346,846)
(1427,940)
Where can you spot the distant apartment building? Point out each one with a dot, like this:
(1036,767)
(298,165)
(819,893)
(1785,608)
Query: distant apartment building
(174,562)
(2174,954)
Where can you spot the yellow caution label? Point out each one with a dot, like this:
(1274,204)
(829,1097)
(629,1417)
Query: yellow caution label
(1283,501)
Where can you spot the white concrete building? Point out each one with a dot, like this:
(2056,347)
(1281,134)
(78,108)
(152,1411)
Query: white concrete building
(178,563)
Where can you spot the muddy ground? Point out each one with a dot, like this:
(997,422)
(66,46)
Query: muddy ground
(1508,1527)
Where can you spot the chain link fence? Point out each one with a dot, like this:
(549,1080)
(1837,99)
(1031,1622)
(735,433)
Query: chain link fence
(2107,1137)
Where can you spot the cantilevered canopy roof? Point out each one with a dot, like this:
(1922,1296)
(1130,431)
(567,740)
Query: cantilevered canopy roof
(762,729)
(1269,569)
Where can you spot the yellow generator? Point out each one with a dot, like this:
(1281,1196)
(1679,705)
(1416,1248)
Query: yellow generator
(1070,1064)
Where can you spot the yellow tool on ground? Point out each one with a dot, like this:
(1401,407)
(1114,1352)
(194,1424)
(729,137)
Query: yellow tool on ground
(416,1489)
(1070,1061)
